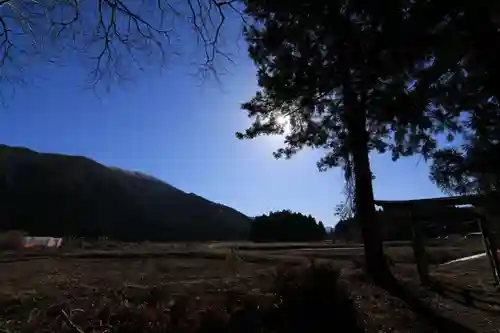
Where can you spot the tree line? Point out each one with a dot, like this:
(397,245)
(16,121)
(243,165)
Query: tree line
(286,226)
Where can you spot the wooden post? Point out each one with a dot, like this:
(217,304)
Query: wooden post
(493,238)
(490,247)
(419,251)
(487,248)
(493,234)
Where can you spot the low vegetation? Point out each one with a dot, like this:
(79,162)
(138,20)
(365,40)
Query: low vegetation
(11,240)
(292,299)
(194,287)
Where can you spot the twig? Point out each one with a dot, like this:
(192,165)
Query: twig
(70,323)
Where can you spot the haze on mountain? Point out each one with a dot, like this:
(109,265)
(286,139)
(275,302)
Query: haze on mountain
(61,195)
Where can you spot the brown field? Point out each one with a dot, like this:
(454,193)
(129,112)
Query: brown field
(110,287)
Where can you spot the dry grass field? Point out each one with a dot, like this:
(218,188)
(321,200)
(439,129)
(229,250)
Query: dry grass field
(197,287)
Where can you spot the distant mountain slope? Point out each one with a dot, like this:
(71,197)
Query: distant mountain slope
(53,194)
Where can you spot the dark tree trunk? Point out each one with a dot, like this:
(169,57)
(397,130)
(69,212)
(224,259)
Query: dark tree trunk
(375,260)
(355,117)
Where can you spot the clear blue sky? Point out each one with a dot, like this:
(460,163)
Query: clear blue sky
(182,132)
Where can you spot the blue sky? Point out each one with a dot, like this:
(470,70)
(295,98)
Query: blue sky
(181,130)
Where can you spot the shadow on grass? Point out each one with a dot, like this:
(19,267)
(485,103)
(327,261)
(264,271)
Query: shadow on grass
(443,323)
(466,296)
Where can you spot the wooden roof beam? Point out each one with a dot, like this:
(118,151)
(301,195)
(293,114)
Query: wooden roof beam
(442,201)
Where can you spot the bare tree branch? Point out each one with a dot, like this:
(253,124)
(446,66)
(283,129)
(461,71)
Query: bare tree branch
(113,37)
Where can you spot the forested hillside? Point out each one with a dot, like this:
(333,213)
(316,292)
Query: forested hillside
(60,195)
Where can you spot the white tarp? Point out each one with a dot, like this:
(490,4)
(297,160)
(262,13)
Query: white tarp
(42,241)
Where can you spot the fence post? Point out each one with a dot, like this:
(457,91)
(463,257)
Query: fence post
(419,251)
(490,247)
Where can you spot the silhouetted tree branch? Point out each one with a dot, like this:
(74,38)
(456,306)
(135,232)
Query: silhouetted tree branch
(114,37)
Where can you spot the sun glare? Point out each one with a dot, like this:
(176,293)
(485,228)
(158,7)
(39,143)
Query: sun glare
(285,122)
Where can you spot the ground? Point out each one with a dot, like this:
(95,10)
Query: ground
(67,290)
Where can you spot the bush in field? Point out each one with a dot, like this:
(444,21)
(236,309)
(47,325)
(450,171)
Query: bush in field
(11,240)
(311,300)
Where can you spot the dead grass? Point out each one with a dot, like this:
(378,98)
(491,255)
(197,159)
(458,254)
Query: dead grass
(11,240)
(132,295)
(181,296)
(136,288)
(462,291)
(436,255)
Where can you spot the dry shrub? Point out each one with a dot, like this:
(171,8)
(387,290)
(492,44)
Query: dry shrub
(303,300)
(12,240)
(311,300)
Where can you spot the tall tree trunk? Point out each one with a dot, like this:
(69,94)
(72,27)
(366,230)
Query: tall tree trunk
(355,118)
(375,260)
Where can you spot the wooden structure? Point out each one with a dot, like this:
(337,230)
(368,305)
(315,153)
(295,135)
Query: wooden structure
(415,209)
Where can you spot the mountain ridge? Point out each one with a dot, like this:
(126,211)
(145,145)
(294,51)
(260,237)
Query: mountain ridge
(58,194)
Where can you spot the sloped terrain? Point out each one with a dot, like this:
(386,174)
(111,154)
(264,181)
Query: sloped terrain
(52,194)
